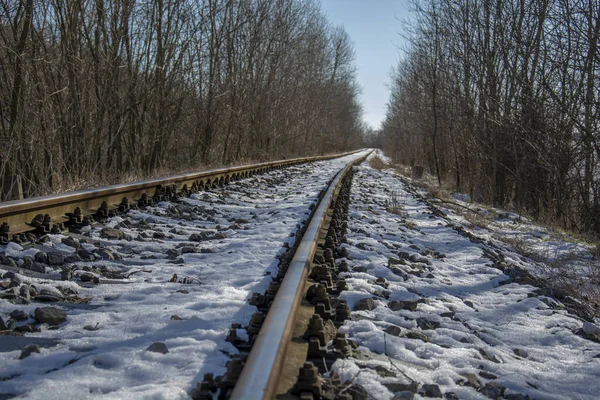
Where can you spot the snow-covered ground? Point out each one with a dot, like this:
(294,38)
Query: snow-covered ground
(444,320)
(168,290)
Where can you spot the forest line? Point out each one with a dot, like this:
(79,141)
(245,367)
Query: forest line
(501,100)
(92,91)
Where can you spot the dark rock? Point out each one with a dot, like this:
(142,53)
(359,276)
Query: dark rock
(431,391)
(412,334)
(343,253)
(26,328)
(399,272)
(89,277)
(41,257)
(357,392)
(66,274)
(591,329)
(91,327)
(448,314)
(426,324)
(472,380)
(56,258)
(172,253)
(365,304)
(10,294)
(343,266)
(38,267)
(48,297)
(410,305)
(412,387)
(19,315)
(85,255)
(451,396)
(395,261)
(158,235)
(111,234)
(10,262)
(383,372)
(220,235)
(469,303)
(104,254)
(423,260)
(404,395)
(50,315)
(26,291)
(31,265)
(489,357)
(73,258)
(189,250)
(69,241)
(67,291)
(28,350)
(198,237)
(393,330)
(158,347)
(403,255)
(47,292)
(3,326)
(10,325)
(359,268)
(206,251)
(487,375)
(178,261)
(493,390)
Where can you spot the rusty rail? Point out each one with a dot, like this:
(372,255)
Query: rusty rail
(16,216)
(262,369)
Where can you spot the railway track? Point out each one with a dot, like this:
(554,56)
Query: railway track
(289,284)
(123,248)
(49,213)
(299,322)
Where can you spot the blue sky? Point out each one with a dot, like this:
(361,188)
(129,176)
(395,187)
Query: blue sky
(373,26)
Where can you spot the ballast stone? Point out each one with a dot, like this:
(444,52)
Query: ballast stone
(50,315)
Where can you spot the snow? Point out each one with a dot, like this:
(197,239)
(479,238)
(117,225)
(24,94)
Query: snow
(470,323)
(100,351)
(501,332)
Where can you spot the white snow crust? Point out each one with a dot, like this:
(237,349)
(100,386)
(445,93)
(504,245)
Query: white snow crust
(257,217)
(502,333)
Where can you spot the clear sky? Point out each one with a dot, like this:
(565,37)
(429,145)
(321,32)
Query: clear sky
(373,26)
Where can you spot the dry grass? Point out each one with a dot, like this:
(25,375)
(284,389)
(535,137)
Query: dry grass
(477,220)
(519,245)
(577,281)
(378,163)
(395,205)
(569,274)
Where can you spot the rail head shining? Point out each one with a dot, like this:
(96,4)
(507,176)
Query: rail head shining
(259,378)
(18,213)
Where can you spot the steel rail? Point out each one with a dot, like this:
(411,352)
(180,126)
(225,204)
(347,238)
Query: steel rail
(259,377)
(18,214)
